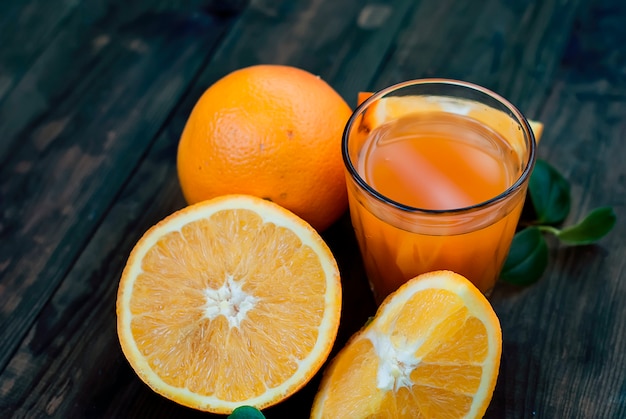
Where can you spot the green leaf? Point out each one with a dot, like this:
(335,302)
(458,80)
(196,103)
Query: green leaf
(246,412)
(549,193)
(591,229)
(527,259)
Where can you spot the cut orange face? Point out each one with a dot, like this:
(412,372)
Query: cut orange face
(232,301)
(394,107)
(432,351)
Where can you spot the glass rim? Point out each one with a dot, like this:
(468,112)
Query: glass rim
(360,109)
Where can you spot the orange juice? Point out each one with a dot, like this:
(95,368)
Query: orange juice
(437,161)
(434,190)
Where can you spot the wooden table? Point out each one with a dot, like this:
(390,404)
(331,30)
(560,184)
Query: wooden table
(93,98)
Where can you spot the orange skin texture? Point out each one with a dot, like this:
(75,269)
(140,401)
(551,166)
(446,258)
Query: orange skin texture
(270,131)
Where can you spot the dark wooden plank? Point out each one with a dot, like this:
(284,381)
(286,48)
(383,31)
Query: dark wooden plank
(342,41)
(27,27)
(512,48)
(73,345)
(44,55)
(74,161)
(565,336)
(41,58)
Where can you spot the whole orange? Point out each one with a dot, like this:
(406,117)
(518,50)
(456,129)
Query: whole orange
(271,131)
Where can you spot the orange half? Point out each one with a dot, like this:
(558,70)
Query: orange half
(232,301)
(432,351)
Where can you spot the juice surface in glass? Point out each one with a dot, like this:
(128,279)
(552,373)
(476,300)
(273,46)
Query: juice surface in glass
(437,161)
(435,190)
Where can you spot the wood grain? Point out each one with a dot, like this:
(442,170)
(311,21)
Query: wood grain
(94,96)
(73,162)
(564,337)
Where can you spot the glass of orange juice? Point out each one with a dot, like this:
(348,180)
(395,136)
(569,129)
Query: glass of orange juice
(437,172)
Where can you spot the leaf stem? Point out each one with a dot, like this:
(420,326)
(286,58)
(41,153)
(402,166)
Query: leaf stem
(549,229)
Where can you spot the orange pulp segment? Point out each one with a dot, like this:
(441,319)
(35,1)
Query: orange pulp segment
(228,302)
(432,350)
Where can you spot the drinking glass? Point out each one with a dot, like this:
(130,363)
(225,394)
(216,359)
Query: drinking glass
(402,200)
